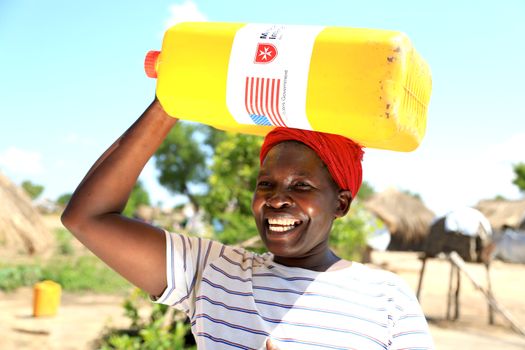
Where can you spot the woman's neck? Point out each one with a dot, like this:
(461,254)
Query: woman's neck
(320,263)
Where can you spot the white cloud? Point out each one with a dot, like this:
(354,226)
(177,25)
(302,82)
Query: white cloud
(185,12)
(21,162)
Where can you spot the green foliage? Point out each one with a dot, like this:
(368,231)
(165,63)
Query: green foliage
(212,136)
(365,191)
(519,180)
(131,310)
(349,233)
(182,161)
(74,274)
(226,184)
(63,238)
(237,228)
(64,199)
(154,333)
(33,190)
(83,273)
(13,277)
(231,184)
(138,196)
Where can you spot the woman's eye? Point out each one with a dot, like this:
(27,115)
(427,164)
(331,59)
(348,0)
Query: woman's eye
(302,185)
(263,184)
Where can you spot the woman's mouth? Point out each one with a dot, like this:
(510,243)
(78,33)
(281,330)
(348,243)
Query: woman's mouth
(280,225)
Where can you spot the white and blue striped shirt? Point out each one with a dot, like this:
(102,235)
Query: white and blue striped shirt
(236,299)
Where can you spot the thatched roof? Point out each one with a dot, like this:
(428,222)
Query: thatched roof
(22,229)
(405,216)
(503,212)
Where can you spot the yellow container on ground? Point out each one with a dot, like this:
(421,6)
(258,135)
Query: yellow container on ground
(366,84)
(46,298)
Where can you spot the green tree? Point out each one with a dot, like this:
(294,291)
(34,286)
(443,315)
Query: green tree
(138,196)
(33,190)
(216,170)
(349,233)
(181,160)
(64,199)
(231,183)
(365,191)
(519,180)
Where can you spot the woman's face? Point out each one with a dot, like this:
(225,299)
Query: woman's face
(295,203)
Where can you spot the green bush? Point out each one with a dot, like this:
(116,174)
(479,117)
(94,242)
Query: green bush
(63,238)
(349,233)
(84,273)
(74,274)
(139,196)
(153,333)
(13,277)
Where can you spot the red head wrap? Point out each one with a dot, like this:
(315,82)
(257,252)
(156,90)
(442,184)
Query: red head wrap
(341,155)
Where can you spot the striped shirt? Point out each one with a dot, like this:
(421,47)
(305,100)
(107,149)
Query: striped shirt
(236,299)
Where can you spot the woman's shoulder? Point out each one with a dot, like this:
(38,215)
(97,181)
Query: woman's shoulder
(379,277)
(243,255)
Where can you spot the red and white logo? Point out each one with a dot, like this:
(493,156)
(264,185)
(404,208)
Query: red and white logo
(265,53)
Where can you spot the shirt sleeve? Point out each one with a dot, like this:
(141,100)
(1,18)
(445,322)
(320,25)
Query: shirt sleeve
(186,258)
(409,325)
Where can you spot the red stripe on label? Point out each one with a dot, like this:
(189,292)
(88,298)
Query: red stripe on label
(277,94)
(252,111)
(246,93)
(257,83)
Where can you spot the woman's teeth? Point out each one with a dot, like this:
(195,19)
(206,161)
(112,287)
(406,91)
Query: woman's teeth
(281,228)
(281,225)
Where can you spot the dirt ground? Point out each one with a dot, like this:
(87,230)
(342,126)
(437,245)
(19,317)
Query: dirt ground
(472,329)
(80,320)
(82,317)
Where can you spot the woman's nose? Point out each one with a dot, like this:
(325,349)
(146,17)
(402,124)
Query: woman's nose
(278,199)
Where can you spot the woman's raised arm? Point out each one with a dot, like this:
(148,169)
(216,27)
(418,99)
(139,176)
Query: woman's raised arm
(134,249)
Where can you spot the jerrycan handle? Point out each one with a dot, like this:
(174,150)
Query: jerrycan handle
(150,63)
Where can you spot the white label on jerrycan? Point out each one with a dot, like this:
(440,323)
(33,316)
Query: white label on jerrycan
(268,74)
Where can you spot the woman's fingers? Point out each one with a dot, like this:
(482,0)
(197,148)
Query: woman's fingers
(270,345)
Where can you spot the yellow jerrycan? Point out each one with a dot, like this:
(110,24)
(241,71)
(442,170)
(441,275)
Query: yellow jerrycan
(366,84)
(46,298)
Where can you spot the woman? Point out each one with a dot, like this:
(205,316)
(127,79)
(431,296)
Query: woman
(300,295)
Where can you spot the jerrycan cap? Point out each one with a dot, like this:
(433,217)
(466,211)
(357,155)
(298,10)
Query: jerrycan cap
(150,63)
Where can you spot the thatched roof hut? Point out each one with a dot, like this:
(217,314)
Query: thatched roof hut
(503,213)
(405,216)
(22,229)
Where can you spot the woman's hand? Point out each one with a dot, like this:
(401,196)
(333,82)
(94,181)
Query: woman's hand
(270,345)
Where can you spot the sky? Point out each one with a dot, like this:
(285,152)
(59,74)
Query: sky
(72,80)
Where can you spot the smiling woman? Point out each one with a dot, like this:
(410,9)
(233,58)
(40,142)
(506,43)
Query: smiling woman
(299,295)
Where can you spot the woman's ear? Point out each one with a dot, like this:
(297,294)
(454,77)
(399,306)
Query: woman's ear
(344,199)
